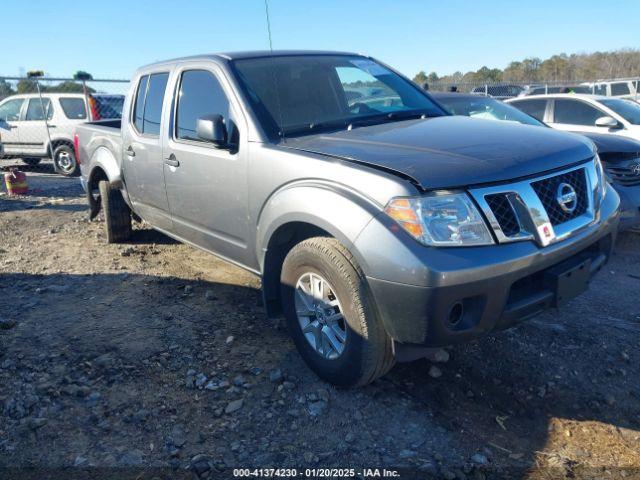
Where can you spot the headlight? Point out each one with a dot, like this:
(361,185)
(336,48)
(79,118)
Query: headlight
(602,182)
(440,219)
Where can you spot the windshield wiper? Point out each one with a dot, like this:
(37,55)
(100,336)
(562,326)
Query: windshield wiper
(387,117)
(315,127)
(349,123)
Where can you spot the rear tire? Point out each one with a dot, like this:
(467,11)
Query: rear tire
(366,353)
(64,161)
(31,161)
(117,214)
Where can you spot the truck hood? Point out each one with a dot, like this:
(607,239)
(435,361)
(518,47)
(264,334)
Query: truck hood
(451,151)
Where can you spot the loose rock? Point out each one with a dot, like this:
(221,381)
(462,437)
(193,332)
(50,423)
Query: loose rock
(234,406)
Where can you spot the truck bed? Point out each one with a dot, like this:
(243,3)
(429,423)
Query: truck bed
(99,143)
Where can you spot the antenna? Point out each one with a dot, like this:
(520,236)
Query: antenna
(266,9)
(273,71)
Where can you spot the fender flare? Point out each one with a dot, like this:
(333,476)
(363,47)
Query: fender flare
(332,207)
(102,160)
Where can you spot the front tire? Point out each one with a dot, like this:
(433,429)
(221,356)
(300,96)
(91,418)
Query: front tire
(331,314)
(117,214)
(64,161)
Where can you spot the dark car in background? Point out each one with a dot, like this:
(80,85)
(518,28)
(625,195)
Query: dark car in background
(619,155)
(499,91)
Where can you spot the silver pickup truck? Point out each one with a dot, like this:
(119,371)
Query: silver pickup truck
(381,226)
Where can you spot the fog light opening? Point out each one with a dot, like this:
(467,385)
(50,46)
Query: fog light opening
(456,313)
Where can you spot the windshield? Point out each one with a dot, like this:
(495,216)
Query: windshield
(302,94)
(627,109)
(486,108)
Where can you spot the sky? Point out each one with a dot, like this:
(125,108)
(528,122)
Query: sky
(110,39)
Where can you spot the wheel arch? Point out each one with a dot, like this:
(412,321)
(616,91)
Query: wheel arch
(303,211)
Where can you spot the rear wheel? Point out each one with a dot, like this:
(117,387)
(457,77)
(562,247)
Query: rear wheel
(331,314)
(117,214)
(31,161)
(64,161)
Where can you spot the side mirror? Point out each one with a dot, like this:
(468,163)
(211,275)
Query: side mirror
(608,122)
(211,128)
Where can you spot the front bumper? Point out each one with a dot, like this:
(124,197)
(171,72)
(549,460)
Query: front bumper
(629,206)
(453,295)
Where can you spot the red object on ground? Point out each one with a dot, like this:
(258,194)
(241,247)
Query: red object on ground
(16,182)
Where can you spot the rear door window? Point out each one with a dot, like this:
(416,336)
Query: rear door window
(147,112)
(535,108)
(575,112)
(10,110)
(35,109)
(73,108)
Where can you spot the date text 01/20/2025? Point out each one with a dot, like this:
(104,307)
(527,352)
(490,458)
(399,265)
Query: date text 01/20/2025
(316,473)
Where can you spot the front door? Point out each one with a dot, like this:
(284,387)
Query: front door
(574,115)
(207,186)
(9,125)
(33,130)
(142,152)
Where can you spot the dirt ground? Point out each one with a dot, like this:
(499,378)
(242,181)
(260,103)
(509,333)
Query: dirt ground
(155,360)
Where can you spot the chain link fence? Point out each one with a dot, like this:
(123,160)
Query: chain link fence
(38,116)
(622,87)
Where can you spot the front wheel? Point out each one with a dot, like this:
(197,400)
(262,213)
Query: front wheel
(64,161)
(331,315)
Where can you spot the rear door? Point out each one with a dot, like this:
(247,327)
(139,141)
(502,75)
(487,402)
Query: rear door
(207,186)
(575,115)
(33,129)
(142,162)
(10,111)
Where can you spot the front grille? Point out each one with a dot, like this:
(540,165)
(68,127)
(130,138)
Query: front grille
(504,213)
(547,191)
(627,176)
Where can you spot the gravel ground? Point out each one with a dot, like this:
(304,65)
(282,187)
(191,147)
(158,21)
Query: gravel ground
(155,359)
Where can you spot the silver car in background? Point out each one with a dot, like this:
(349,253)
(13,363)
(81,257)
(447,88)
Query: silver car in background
(32,129)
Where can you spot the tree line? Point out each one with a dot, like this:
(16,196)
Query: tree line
(29,86)
(560,68)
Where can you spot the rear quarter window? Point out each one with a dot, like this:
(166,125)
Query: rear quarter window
(138,109)
(73,108)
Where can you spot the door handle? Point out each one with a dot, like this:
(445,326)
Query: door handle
(51,126)
(130,152)
(172,161)
(13,126)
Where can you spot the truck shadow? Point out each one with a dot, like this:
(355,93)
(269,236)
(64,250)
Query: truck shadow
(498,396)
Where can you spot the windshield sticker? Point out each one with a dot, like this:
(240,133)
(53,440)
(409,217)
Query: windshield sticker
(372,68)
